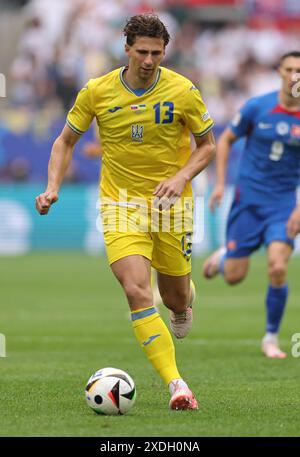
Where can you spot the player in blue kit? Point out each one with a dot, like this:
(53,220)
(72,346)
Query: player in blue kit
(264,209)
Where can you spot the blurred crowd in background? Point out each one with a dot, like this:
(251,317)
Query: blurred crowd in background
(66,42)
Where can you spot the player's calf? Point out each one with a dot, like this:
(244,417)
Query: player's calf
(235,270)
(181,323)
(234,278)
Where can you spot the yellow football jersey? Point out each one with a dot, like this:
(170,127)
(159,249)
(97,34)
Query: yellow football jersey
(145,134)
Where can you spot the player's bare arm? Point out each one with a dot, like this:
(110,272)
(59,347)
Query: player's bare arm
(202,155)
(60,159)
(293,224)
(223,150)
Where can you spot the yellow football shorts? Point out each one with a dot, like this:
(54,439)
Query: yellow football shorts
(166,243)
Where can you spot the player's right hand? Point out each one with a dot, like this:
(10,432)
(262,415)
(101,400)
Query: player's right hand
(216,197)
(44,201)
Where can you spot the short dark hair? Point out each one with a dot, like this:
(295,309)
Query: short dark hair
(289,54)
(148,25)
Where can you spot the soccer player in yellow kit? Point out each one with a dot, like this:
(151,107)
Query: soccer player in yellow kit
(145,115)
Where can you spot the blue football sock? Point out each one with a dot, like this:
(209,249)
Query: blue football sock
(275,303)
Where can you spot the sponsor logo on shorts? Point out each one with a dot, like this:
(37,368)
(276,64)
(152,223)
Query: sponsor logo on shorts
(186,245)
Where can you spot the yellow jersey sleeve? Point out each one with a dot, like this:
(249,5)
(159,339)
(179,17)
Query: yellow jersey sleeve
(195,114)
(81,114)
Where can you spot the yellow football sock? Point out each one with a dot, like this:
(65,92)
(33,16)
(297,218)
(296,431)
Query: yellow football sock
(156,341)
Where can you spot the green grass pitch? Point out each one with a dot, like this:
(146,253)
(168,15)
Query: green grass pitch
(64,316)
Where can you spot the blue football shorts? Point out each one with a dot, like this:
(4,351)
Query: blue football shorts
(251,226)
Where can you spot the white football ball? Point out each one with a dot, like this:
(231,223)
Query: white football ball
(110,391)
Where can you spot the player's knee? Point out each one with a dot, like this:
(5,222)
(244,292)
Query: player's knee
(277,272)
(234,277)
(136,293)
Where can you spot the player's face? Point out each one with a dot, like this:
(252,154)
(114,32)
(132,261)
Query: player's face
(145,56)
(287,70)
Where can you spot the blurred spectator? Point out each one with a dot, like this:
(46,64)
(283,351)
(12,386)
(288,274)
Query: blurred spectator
(16,170)
(65,43)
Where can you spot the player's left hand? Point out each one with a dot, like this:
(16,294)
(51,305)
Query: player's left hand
(293,224)
(167,192)
(44,201)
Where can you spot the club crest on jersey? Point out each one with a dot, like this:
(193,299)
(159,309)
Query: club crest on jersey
(282,128)
(137,132)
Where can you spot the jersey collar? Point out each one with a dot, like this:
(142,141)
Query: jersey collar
(279,108)
(133,91)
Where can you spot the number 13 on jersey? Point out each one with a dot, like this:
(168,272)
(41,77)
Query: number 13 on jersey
(164,112)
